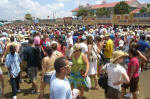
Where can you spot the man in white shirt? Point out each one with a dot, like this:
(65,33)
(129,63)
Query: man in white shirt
(60,86)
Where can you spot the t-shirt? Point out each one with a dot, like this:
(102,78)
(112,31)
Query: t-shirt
(84,47)
(133,62)
(37,40)
(143,45)
(114,72)
(29,57)
(45,43)
(109,49)
(60,89)
(69,41)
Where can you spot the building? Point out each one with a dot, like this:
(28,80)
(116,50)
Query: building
(134,4)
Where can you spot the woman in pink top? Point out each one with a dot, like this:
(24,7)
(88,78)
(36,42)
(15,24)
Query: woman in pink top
(133,72)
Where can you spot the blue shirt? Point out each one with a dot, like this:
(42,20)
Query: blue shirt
(13,62)
(143,45)
(60,89)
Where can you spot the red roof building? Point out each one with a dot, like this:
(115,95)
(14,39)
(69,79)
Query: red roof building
(131,3)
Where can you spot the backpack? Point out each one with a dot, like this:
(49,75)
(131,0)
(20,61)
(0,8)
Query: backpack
(103,79)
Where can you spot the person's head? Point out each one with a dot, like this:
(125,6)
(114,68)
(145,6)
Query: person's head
(90,39)
(12,39)
(134,45)
(98,39)
(54,46)
(49,51)
(133,52)
(45,36)
(142,37)
(31,41)
(118,57)
(62,66)
(12,49)
(77,48)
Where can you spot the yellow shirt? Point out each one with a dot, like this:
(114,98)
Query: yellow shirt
(109,47)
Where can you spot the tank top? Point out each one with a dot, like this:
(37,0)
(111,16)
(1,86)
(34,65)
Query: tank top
(78,64)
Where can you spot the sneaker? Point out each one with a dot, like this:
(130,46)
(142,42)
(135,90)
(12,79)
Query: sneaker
(33,91)
(18,91)
(128,95)
(14,97)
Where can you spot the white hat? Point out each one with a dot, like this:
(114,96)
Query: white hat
(102,36)
(121,43)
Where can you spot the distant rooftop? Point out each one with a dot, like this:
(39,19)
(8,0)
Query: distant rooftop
(106,5)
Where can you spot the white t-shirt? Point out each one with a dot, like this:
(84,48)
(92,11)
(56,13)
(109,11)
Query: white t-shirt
(84,47)
(69,41)
(60,89)
(114,72)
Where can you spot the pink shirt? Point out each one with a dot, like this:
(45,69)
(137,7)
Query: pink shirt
(134,62)
(37,40)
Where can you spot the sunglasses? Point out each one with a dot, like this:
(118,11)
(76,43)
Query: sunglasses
(77,50)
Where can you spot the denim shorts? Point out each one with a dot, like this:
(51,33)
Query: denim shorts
(47,78)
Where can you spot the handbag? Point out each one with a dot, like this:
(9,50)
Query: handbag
(103,79)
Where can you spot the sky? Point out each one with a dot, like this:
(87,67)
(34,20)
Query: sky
(16,9)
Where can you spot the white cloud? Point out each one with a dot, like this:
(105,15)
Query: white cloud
(63,0)
(18,8)
(98,2)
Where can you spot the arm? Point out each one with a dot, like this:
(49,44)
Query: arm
(133,68)
(43,68)
(142,56)
(125,80)
(85,59)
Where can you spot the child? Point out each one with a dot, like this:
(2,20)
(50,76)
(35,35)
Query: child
(13,64)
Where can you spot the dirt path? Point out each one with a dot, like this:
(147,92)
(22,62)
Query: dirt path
(98,94)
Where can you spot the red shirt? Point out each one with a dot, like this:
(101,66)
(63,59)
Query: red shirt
(59,49)
(44,43)
(133,62)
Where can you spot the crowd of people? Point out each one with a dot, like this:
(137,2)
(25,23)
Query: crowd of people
(72,58)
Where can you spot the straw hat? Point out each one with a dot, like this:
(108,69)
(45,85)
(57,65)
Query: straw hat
(107,34)
(118,54)
(77,47)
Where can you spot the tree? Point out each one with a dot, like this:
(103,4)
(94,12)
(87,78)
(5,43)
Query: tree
(148,7)
(90,13)
(103,12)
(82,12)
(28,16)
(122,8)
(143,10)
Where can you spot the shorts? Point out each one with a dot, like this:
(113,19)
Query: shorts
(47,77)
(113,93)
(32,72)
(133,84)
